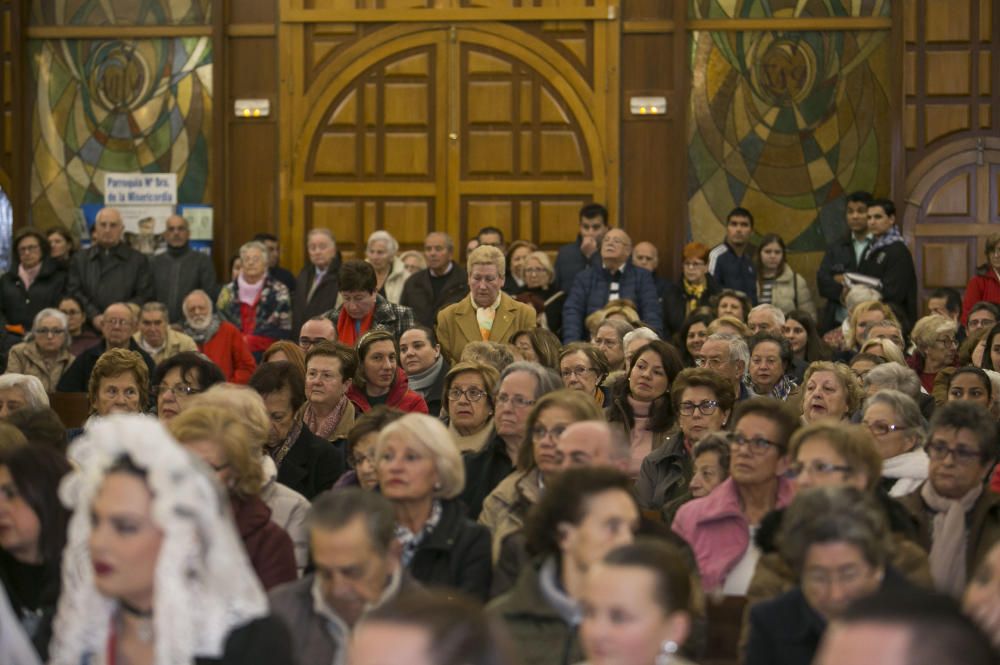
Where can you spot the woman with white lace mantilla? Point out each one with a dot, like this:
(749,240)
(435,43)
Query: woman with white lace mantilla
(153,571)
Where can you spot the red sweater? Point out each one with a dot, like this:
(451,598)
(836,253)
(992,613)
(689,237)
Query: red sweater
(400,396)
(228,350)
(984,285)
(268,545)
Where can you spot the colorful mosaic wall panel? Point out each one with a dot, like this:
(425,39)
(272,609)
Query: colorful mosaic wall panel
(121,12)
(118,106)
(786,124)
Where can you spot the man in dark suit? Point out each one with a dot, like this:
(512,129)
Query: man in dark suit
(109,271)
(442,283)
(316,287)
(117,326)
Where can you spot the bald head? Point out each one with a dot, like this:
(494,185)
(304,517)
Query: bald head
(108,228)
(592,443)
(646,256)
(616,247)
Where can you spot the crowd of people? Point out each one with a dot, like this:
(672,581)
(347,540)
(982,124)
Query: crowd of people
(405,457)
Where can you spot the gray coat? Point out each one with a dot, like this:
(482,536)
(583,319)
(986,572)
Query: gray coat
(177,275)
(98,278)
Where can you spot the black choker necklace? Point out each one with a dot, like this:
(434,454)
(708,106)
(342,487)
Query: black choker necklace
(132,610)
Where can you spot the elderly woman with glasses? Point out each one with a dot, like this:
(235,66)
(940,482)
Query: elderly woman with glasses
(45,352)
(34,282)
(179,378)
(505,509)
(256,303)
(936,348)
(584,367)
(959,518)
(703,401)
(468,404)
(540,291)
(720,527)
(895,421)
(520,386)
(829,455)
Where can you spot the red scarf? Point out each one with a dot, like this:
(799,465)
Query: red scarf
(345,327)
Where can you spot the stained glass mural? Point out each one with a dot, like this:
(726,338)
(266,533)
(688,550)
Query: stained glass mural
(118,106)
(121,12)
(786,124)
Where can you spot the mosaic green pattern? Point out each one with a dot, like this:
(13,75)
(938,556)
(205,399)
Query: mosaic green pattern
(786,8)
(121,12)
(113,106)
(786,124)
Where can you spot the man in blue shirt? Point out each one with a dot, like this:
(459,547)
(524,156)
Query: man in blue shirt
(731,261)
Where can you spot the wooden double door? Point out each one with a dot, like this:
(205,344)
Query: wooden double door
(417,126)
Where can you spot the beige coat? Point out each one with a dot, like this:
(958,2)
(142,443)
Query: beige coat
(457,325)
(25,358)
(506,507)
(394,282)
(177,342)
(791,291)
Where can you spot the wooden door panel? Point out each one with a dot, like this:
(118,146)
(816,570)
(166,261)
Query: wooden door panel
(413,127)
(947,262)
(953,197)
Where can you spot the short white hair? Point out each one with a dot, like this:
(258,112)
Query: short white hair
(776,314)
(859,294)
(384,236)
(52,313)
(639,333)
(738,349)
(322,232)
(197,292)
(31,387)
(259,246)
(430,433)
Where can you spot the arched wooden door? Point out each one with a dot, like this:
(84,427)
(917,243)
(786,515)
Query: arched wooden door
(419,127)
(953,204)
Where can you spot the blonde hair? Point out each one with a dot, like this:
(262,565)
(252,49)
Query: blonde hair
(243,401)
(732,322)
(621,307)
(890,350)
(423,430)
(929,328)
(864,308)
(226,429)
(487,255)
(847,378)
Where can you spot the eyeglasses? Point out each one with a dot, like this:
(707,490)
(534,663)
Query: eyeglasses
(946,341)
(540,432)
(358,460)
(881,429)
(471,394)
(576,371)
(49,332)
(306,342)
(758,445)
(711,363)
(118,322)
(707,407)
(816,468)
(617,242)
(964,456)
(24,249)
(516,401)
(179,390)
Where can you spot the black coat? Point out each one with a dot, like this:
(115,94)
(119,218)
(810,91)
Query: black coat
(263,641)
(418,294)
(77,376)
(484,470)
(122,275)
(787,631)
(324,298)
(31,590)
(570,261)
(178,272)
(18,306)
(893,264)
(456,554)
(675,304)
(312,465)
(838,259)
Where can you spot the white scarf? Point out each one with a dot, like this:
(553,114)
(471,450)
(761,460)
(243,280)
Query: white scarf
(949,537)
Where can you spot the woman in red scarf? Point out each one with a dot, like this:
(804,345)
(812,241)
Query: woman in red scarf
(379,378)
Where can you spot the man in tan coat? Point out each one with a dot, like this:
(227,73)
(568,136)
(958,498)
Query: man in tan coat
(487,314)
(156,337)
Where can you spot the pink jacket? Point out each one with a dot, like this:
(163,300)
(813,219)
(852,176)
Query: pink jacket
(717,531)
